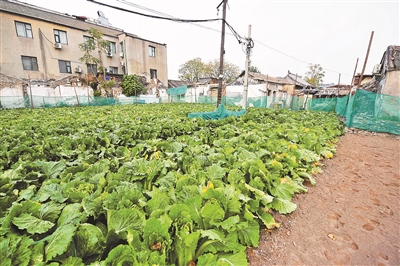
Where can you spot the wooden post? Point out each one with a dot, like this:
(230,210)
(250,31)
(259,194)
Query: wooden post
(354,74)
(338,86)
(366,59)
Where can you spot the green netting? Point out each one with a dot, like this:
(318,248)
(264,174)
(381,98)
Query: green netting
(374,112)
(364,110)
(207,99)
(257,102)
(341,105)
(323,104)
(220,113)
(177,91)
(231,101)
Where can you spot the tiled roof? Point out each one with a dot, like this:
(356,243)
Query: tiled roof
(298,80)
(264,78)
(177,83)
(31,11)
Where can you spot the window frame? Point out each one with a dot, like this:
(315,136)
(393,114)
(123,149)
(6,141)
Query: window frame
(32,62)
(25,29)
(68,68)
(152,51)
(57,36)
(153,73)
(112,47)
(114,70)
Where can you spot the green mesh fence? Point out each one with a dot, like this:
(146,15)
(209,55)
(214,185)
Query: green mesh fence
(364,110)
(374,112)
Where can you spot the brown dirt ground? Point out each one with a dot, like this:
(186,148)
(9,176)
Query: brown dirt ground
(350,217)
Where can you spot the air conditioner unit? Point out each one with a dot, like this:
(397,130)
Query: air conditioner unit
(122,63)
(109,54)
(57,45)
(121,54)
(78,70)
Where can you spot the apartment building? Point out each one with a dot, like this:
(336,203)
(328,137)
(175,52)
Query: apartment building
(41,44)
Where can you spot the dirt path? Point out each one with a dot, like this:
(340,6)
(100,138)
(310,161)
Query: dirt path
(352,215)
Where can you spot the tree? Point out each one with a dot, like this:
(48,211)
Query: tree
(131,85)
(192,70)
(195,69)
(231,71)
(254,69)
(314,74)
(95,41)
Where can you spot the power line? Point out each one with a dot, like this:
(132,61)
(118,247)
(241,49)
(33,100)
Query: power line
(164,16)
(157,17)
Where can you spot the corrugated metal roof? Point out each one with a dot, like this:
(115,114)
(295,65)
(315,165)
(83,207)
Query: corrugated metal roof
(35,12)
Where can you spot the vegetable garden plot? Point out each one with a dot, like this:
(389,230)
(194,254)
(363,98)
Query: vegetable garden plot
(145,185)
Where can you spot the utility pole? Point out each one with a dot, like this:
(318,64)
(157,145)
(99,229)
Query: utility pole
(354,74)
(246,70)
(222,52)
(366,59)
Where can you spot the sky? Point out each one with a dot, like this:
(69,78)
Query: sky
(287,35)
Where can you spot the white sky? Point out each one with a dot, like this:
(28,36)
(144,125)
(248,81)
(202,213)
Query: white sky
(330,33)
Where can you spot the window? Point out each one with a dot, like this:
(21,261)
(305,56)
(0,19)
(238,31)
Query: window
(121,47)
(92,69)
(30,63)
(65,66)
(60,36)
(86,38)
(152,51)
(112,48)
(153,73)
(113,70)
(23,29)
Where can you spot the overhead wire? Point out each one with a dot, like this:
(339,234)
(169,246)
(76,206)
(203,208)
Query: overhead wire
(156,17)
(240,39)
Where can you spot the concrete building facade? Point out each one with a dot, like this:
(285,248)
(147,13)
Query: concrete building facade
(41,44)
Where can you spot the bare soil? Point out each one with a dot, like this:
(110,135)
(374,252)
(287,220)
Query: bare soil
(350,217)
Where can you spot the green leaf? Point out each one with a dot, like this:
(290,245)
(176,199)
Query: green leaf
(89,241)
(212,214)
(264,197)
(249,233)
(50,190)
(215,172)
(155,233)
(37,253)
(72,213)
(124,219)
(237,259)
(283,206)
(283,191)
(32,224)
(59,241)
(268,219)
(15,250)
(50,211)
(72,261)
(52,169)
(120,255)
(194,204)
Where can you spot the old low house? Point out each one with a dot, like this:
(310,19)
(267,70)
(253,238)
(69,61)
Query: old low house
(39,44)
(385,76)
